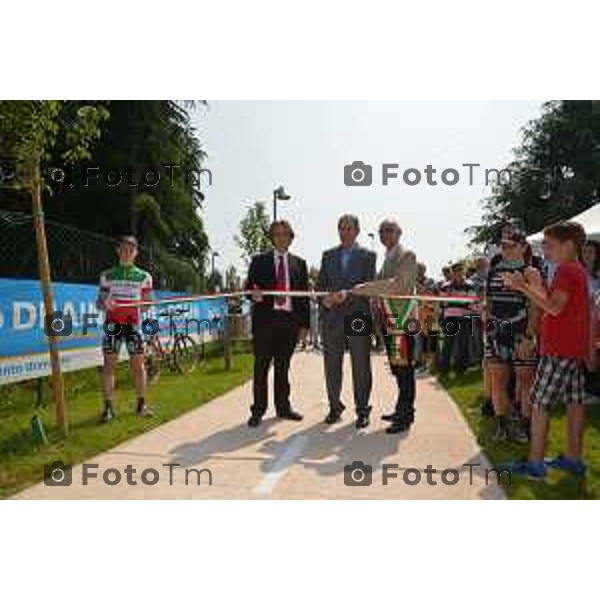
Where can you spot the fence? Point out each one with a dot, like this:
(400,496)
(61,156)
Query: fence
(76,256)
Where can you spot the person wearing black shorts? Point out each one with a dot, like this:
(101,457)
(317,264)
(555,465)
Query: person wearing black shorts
(510,339)
(120,287)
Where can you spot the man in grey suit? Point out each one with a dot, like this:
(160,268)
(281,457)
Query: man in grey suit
(342,268)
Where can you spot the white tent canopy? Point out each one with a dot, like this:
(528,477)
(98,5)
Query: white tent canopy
(589,219)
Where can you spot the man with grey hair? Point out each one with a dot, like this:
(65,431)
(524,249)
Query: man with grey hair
(397,276)
(342,268)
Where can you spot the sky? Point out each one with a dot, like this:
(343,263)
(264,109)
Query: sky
(255,146)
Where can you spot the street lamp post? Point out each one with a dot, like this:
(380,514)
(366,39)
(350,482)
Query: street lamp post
(212,268)
(278,194)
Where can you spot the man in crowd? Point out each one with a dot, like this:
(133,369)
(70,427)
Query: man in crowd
(478,283)
(397,276)
(457,323)
(342,268)
(277,322)
(123,284)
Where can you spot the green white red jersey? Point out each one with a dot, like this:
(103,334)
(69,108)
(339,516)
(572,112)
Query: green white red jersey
(124,285)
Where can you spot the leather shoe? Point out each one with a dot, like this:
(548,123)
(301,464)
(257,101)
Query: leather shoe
(362,421)
(335,415)
(398,427)
(254,421)
(290,416)
(388,417)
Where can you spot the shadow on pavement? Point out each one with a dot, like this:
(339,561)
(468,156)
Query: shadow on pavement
(326,452)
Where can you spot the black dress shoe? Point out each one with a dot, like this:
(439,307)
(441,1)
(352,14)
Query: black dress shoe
(335,415)
(362,421)
(290,416)
(388,417)
(254,421)
(398,427)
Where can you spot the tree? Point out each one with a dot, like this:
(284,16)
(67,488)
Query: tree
(139,137)
(556,171)
(313,276)
(232,279)
(254,227)
(215,281)
(31,132)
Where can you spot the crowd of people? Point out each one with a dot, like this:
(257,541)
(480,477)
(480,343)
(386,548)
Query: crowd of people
(531,328)
(528,319)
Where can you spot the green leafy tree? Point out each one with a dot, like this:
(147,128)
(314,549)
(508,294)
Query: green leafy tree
(138,136)
(31,133)
(253,232)
(232,279)
(40,136)
(556,171)
(144,136)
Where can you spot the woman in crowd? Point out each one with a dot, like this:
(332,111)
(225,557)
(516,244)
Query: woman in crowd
(590,256)
(510,339)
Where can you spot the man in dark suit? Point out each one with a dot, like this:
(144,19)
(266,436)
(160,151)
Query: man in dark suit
(277,322)
(342,268)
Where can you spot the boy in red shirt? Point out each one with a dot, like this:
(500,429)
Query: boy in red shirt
(564,348)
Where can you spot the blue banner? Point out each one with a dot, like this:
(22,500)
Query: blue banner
(22,321)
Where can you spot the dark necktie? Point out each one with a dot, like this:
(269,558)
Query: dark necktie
(280,281)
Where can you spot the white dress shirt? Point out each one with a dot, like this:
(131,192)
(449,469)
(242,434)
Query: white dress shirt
(287,306)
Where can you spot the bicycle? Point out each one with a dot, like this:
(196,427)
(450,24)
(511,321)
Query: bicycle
(180,352)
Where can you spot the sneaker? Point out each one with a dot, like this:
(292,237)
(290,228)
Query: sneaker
(142,410)
(576,467)
(534,471)
(107,415)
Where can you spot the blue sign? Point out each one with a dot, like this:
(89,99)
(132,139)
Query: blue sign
(22,318)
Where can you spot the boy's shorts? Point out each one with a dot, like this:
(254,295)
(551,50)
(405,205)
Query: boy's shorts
(559,381)
(111,344)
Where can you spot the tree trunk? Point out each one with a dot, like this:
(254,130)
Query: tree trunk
(45,281)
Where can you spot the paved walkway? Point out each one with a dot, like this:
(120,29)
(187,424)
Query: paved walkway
(285,460)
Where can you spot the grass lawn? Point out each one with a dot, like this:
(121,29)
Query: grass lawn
(21,463)
(467,392)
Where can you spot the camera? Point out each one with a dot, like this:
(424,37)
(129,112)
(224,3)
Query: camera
(358,323)
(58,324)
(358,474)
(358,173)
(57,474)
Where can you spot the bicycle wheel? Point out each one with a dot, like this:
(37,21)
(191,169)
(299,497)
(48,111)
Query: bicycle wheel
(185,354)
(152,361)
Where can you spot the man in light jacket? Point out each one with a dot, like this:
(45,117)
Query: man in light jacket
(397,276)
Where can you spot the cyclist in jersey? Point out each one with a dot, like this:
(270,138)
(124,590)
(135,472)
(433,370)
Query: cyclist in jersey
(510,339)
(123,284)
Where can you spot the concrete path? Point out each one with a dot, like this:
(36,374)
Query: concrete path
(285,460)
